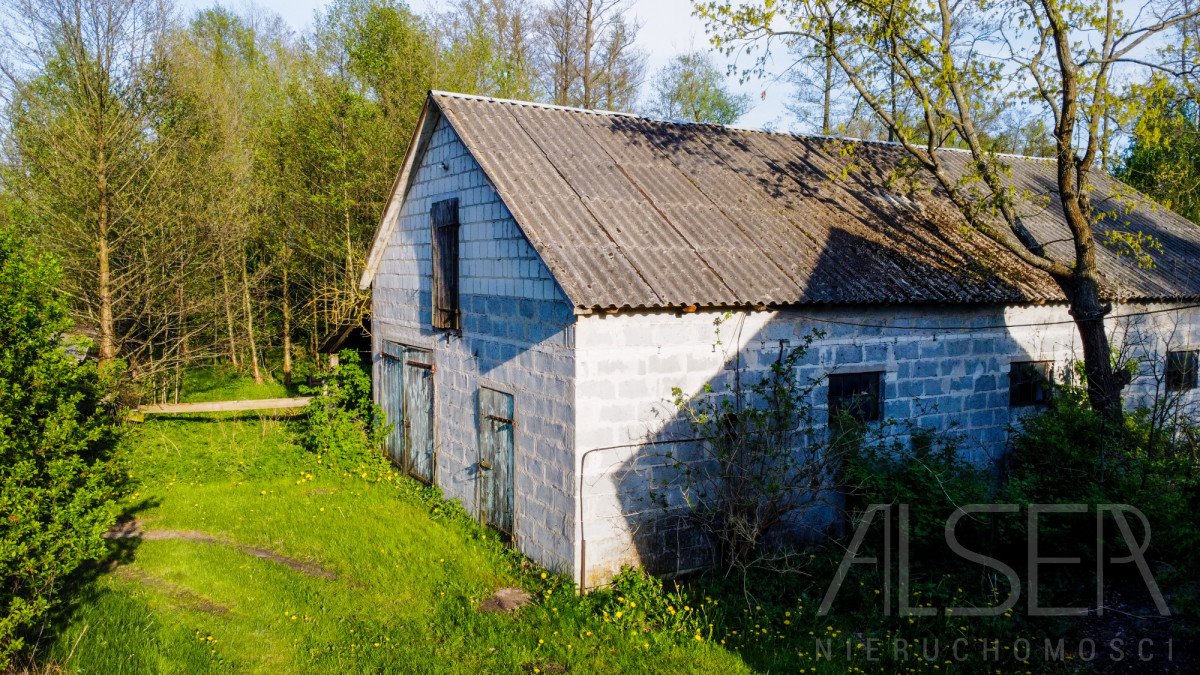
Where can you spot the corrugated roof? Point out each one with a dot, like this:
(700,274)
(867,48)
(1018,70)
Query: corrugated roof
(632,212)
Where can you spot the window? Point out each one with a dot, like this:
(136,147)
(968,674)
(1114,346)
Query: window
(857,395)
(1181,370)
(1028,383)
(445,265)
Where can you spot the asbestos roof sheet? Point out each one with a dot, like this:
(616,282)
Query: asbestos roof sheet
(629,212)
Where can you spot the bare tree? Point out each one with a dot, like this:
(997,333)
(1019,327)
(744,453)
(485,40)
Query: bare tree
(74,73)
(589,58)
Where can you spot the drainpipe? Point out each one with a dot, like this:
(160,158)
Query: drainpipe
(582,464)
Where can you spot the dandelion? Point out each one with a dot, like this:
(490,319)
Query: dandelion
(543,575)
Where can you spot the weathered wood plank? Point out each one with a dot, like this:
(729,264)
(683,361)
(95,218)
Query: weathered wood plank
(226,406)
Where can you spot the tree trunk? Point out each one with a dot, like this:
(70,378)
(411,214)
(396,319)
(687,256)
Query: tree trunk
(108,343)
(258,378)
(287,331)
(1088,309)
(827,102)
(233,353)
(589,36)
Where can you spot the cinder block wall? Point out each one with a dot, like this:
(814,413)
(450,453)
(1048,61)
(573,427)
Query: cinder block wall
(948,370)
(517,337)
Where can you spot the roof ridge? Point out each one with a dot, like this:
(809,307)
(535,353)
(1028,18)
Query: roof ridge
(686,123)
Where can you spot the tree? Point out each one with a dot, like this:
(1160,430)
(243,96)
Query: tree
(1163,159)
(353,98)
(487,49)
(78,120)
(589,57)
(222,78)
(1163,156)
(691,88)
(58,476)
(959,60)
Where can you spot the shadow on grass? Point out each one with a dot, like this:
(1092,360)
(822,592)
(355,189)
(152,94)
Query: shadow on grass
(79,589)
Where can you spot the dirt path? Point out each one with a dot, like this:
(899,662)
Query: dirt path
(132,529)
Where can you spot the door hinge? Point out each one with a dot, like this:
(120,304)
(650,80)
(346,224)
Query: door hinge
(427,366)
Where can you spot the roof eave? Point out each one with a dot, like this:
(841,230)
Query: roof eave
(430,115)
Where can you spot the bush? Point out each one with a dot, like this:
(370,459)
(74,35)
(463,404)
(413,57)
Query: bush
(1072,455)
(929,477)
(59,478)
(342,425)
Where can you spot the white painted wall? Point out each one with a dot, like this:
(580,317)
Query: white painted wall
(517,337)
(938,375)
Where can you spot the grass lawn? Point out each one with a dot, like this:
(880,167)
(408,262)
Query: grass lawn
(256,557)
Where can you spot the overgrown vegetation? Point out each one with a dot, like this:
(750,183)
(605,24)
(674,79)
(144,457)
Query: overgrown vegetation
(342,425)
(758,464)
(763,464)
(211,179)
(59,474)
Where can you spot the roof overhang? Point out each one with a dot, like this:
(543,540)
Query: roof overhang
(430,115)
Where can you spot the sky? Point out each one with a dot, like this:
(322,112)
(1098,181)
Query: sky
(668,28)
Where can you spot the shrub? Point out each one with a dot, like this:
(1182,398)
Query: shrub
(928,476)
(343,425)
(59,477)
(1072,455)
(757,467)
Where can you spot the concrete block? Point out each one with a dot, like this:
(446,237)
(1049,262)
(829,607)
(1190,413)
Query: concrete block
(848,355)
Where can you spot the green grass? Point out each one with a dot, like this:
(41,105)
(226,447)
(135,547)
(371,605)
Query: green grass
(221,383)
(410,572)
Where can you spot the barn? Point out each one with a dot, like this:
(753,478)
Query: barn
(543,277)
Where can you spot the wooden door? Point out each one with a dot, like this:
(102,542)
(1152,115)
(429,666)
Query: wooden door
(496,449)
(418,414)
(391,398)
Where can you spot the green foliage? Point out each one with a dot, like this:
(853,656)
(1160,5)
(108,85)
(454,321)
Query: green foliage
(1163,158)
(58,472)
(342,425)
(691,88)
(1072,455)
(641,601)
(928,475)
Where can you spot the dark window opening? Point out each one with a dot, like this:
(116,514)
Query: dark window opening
(446,309)
(1181,370)
(856,395)
(1029,383)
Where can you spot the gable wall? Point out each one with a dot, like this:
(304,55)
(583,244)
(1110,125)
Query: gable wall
(517,334)
(937,376)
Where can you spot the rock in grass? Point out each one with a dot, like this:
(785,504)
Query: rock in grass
(506,600)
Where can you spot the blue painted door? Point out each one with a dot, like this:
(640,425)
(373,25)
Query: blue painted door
(391,398)
(418,413)
(496,450)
